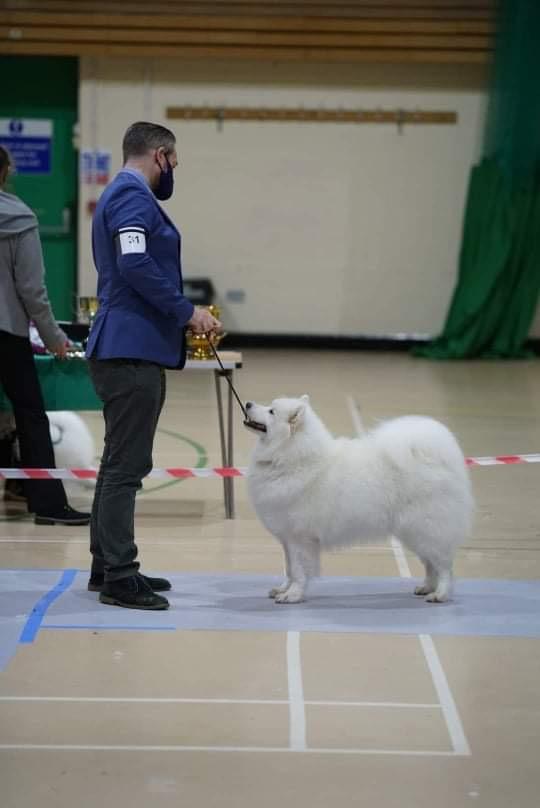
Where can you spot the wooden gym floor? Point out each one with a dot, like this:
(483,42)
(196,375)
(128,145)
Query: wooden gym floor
(120,715)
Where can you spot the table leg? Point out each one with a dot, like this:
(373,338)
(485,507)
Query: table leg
(229,481)
(226,445)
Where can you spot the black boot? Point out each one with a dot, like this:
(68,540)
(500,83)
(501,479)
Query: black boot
(66,516)
(132,593)
(96,582)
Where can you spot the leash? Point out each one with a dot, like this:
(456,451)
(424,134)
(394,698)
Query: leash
(227,377)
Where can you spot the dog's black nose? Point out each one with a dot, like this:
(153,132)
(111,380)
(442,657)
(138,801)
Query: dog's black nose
(249,405)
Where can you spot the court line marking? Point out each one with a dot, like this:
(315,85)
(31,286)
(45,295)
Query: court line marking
(297,711)
(454,725)
(401,558)
(97,627)
(356,418)
(440,682)
(157,700)
(21,540)
(372,548)
(449,708)
(242,749)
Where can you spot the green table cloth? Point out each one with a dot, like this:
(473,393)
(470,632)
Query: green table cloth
(65,383)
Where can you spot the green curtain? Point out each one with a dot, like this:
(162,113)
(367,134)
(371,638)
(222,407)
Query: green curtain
(498,283)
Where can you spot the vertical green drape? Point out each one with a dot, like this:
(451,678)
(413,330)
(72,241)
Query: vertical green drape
(498,283)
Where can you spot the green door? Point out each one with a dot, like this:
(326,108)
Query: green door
(38,111)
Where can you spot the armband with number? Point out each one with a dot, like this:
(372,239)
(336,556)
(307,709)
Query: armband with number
(130,240)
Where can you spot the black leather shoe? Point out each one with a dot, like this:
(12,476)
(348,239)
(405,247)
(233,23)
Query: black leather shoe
(95,583)
(131,593)
(67,516)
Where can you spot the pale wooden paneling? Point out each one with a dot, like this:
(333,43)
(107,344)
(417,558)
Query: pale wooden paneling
(387,30)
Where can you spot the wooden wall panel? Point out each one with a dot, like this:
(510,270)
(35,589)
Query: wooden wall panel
(365,30)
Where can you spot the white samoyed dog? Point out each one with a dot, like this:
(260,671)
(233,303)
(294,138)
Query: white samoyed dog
(74,446)
(406,478)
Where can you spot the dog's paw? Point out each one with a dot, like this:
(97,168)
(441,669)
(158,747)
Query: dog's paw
(435,597)
(277,590)
(423,590)
(294,594)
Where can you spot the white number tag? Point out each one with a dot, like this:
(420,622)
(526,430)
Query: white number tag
(132,240)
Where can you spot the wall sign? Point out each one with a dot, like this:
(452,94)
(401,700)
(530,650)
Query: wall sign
(29,141)
(95,167)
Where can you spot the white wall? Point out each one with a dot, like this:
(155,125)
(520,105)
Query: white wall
(328,228)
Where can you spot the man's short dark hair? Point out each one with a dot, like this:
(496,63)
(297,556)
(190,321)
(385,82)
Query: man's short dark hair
(143,136)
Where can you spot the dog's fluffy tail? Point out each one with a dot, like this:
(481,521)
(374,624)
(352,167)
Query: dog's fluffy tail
(418,438)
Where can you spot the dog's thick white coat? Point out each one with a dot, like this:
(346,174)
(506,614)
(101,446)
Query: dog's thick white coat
(406,478)
(74,446)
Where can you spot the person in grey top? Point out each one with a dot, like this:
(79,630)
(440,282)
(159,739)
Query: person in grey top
(23,298)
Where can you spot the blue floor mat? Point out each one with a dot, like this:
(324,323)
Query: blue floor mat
(32,600)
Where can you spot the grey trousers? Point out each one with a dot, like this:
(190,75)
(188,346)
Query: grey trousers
(133,393)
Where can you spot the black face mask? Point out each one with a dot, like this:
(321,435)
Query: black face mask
(165,185)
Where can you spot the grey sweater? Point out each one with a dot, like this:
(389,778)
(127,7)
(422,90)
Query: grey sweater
(23,296)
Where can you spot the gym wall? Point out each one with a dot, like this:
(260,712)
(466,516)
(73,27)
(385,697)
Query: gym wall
(303,227)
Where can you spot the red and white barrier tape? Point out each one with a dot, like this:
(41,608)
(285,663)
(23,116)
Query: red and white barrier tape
(91,474)
(185,473)
(503,460)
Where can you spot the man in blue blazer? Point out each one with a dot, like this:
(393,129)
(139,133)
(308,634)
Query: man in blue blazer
(138,331)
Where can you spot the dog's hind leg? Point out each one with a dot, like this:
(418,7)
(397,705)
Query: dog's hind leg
(443,590)
(436,550)
(437,586)
(303,564)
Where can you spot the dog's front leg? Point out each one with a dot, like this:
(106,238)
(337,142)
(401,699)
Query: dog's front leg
(303,561)
(278,590)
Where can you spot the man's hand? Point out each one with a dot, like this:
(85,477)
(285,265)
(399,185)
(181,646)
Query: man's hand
(60,350)
(203,322)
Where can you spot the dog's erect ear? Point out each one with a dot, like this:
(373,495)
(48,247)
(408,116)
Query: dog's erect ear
(297,416)
(305,398)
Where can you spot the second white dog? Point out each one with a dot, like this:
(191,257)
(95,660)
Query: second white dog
(406,478)
(74,446)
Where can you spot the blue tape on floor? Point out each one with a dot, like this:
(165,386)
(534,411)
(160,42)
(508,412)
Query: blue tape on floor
(19,592)
(35,619)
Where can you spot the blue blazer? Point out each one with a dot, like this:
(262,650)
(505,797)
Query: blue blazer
(142,310)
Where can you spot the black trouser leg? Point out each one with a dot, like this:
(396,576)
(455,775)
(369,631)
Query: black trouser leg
(19,378)
(6,452)
(133,393)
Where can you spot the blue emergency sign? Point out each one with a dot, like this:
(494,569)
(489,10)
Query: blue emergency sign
(29,141)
